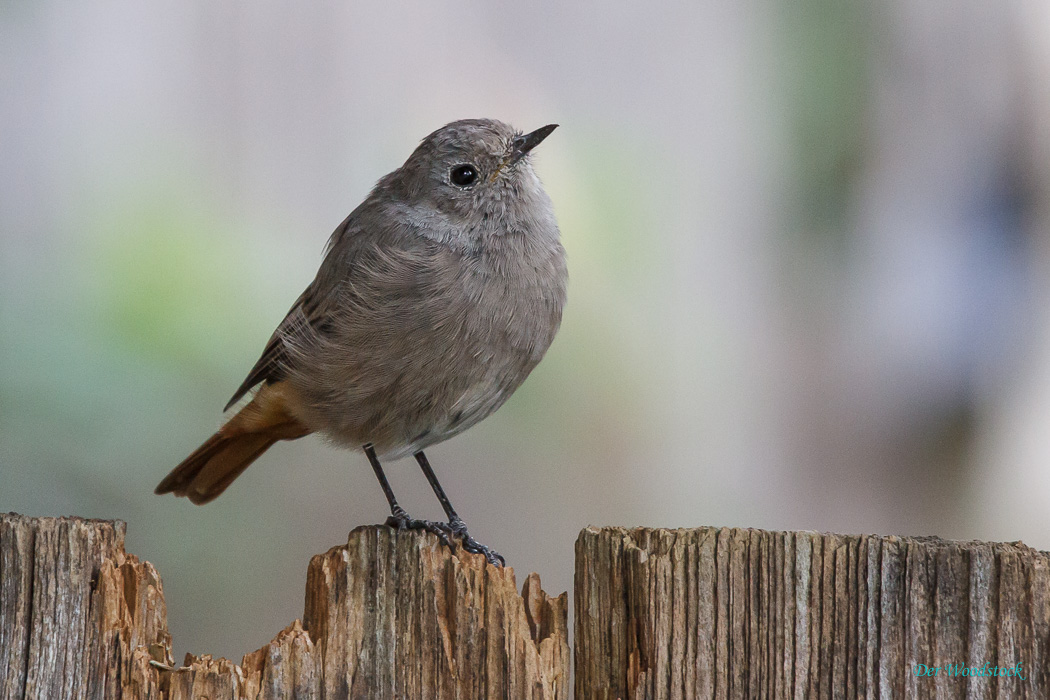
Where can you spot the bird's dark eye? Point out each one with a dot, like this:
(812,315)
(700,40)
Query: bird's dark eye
(463,175)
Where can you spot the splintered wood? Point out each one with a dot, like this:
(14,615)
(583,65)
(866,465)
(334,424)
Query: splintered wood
(390,615)
(678,614)
(729,613)
(79,618)
(396,616)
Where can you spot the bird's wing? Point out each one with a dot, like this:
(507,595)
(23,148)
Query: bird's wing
(307,319)
(271,366)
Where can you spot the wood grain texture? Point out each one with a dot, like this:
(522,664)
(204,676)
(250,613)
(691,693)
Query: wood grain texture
(395,616)
(731,613)
(389,615)
(79,617)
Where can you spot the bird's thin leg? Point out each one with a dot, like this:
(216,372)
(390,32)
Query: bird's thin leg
(455,523)
(399,518)
(428,472)
(370,452)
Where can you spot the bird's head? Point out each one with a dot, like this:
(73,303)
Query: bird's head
(475,176)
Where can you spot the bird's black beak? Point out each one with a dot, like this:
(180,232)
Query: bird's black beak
(521,145)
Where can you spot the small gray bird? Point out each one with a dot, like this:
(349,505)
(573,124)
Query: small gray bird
(436,298)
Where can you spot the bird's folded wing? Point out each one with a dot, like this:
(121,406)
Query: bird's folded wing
(272,365)
(304,319)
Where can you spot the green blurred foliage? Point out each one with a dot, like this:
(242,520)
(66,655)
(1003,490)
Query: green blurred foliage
(828,90)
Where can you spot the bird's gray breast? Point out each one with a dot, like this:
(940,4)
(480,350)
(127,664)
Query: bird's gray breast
(429,338)
(507,312)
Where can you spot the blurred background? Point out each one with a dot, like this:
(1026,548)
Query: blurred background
(809,252)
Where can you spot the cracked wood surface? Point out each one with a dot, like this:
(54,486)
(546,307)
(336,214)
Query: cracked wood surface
(732,613)
(388,615)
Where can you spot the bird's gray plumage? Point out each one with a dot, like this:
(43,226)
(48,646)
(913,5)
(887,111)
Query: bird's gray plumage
(433,302)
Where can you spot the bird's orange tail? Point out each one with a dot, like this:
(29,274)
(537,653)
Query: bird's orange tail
(213,466)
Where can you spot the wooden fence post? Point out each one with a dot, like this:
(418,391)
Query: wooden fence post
(389,615)
(731,613)
(705,613)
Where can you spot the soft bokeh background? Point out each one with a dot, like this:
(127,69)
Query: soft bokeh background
(808,245)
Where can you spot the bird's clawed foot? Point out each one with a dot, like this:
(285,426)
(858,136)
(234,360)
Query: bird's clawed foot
(401,520)
(459,528)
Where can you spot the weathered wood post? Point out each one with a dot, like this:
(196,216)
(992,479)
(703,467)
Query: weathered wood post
(389,615)
(730,613)
(705,613)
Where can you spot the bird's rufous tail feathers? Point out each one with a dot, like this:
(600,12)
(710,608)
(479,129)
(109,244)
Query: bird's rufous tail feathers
(213,466)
